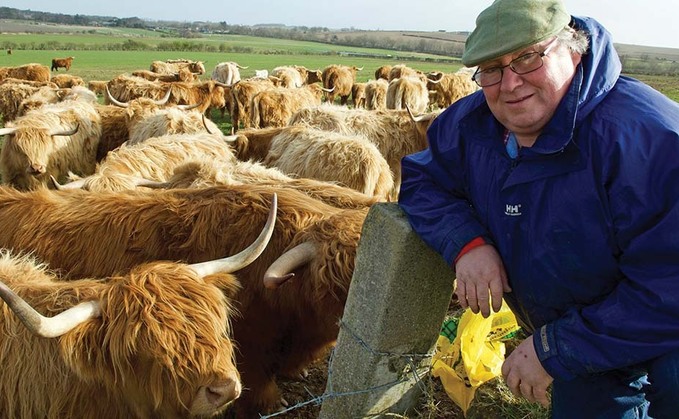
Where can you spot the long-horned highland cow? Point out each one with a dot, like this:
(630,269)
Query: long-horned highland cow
(205,94)
(339,79)
(152,343)
(280,331)
(54,139)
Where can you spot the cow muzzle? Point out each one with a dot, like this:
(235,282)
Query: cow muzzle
(37,169)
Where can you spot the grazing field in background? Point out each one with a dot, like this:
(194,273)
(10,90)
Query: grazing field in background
(104,65)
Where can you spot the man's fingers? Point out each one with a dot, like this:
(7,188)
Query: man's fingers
(461,292)
(484,302)
(505,283)
(471,298)
(541,396)
(496,293)
(527,392)
(513,385)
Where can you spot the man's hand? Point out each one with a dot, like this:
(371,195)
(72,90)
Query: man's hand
(525,375)
(481,276)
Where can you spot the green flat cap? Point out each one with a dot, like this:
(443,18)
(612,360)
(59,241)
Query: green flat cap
(509,25)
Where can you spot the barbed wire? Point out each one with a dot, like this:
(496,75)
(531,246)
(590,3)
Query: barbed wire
(329,393)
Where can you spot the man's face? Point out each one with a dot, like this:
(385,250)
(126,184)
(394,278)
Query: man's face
(524,104)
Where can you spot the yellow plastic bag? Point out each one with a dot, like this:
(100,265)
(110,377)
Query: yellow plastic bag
(475,355)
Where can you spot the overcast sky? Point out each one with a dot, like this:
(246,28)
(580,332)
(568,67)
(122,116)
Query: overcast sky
(649,22)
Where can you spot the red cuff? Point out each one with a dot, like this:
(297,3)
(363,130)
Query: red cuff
(469,246)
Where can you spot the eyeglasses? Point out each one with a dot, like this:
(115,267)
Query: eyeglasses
(519,65)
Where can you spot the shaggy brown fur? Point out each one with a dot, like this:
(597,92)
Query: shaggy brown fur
(382,72)
(174,66)
(207,94)
(408,92)
(227,72)
(274,107)
(340,78)
(31,154)
(358,95)
(206,173)
(280,331)
(241,96)
(58,63)
(254,143)
(402,70)
(140,359)
(155,159)
(376,94)
(33,71)
(350,161)
(67,80)
(394,133)
(450,87)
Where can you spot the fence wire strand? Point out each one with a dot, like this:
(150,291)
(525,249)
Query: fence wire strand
(329,393)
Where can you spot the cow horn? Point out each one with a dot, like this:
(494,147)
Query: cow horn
(76,184)
(328,90)
(240,66)
(188,107)
(7,131)
(205,125)
(114,100)
(165,98)
(48,327)
(281,269)
(230,138)
(152,184)
(413,117)
(69,132)
(434,81)
(245,257)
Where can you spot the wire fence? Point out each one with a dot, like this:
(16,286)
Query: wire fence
(411,360)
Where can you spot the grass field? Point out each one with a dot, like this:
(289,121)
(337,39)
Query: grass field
(104,65)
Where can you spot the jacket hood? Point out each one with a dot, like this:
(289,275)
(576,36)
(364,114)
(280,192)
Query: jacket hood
(601,66)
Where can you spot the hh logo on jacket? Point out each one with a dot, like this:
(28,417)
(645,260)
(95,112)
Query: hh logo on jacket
(513,210)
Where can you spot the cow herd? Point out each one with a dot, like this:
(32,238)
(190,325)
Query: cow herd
(152,266)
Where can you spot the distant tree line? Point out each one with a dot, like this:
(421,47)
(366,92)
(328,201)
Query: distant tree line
(191,30)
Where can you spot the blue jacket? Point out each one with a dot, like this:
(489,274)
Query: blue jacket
(586,221)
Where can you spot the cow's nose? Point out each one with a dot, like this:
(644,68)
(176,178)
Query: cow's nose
(37,169)
(224,392)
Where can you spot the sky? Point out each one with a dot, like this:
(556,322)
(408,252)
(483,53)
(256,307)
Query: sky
(649,22)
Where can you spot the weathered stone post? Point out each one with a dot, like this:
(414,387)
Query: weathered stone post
(399,295)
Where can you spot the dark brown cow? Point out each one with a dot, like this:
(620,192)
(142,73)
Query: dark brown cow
(279,331)
(58,63)
(339,79)
(382,72)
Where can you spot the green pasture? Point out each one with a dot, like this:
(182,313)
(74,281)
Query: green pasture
(104,65)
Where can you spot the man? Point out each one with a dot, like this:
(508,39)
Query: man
(557,187)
